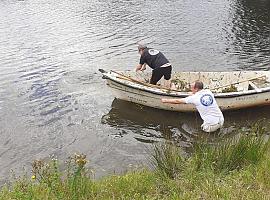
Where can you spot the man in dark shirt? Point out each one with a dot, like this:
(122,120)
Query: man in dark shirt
(157,61)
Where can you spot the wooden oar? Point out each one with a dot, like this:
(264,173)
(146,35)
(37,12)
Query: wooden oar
(143,83)
(238,82)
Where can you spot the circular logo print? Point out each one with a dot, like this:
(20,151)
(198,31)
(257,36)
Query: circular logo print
(153,52)
(206,100)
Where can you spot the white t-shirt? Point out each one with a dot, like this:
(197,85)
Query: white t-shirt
(206,105)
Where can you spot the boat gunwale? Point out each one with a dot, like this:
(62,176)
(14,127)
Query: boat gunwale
(180,94)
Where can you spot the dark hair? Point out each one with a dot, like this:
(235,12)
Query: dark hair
(198,85)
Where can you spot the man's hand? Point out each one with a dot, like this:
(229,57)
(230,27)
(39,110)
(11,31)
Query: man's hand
(138,68)
(143,67)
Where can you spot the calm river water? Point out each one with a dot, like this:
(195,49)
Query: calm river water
(53,100)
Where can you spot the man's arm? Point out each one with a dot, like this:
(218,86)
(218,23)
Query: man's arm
(173,101)
(140,67)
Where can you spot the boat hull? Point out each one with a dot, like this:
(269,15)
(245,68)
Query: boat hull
(151,99)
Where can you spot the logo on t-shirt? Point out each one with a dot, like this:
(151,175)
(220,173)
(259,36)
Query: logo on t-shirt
(206,100)
(153,52)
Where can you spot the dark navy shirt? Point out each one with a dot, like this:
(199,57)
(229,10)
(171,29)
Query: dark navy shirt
(153,58)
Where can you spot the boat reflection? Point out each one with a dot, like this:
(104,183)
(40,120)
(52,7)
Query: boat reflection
(150,125)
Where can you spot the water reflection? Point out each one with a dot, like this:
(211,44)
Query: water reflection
(149,125)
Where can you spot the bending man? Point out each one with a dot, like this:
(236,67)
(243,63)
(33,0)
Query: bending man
(157,61)
(206,105)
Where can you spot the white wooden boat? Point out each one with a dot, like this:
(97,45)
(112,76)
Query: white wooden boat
(250,88)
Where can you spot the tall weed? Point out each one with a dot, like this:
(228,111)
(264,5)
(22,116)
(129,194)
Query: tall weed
(167,159)
(246,148)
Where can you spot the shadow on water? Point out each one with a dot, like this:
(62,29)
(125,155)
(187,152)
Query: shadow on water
(149,125)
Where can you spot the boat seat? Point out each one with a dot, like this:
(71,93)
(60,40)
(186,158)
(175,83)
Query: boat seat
(252,86)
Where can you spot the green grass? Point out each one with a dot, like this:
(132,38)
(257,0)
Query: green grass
(235,168)
(232,154)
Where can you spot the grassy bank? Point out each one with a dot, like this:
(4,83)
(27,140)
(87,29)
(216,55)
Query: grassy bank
(236,168)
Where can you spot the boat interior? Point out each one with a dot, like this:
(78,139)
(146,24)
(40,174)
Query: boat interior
(218,82)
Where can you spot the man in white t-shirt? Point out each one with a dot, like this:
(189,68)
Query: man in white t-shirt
(206,105)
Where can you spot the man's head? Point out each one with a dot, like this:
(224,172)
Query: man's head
(141,47)
(196,86)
